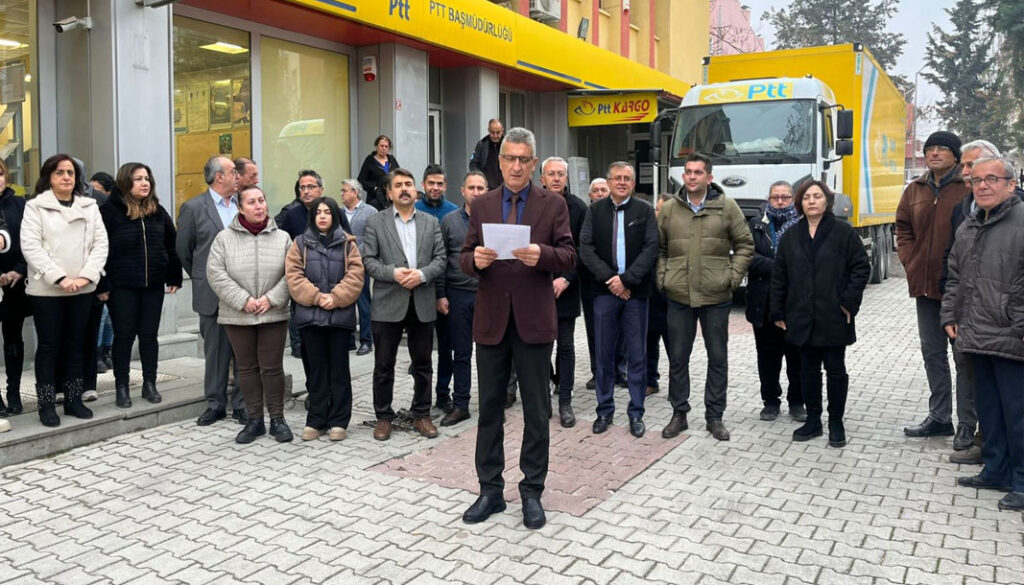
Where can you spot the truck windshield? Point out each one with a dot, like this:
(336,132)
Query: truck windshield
(747,133)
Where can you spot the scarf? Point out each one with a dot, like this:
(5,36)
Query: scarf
(780,220)
(254,229)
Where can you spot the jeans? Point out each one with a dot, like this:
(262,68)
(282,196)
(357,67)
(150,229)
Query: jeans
(61,336)
(1000,398)
(771,349)
(330,381)
(461,304)
(105,338)
(135,312)
(421,341)
(494,364)
(837,380)
(616,319)
(259,352)
(682,328)
(934,342)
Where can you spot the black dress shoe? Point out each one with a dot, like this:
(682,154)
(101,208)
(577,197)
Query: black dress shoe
(769,412)
(241,416)
(676,425)
(253,428)
(963,439)
(533,513)
(454,417)
(210,416)
(601,424)
(482,509)
(637,428)
(364,349)
(718,430)
(592,383)
(122,399)
(930,428)
(150,394)
(798,412)
(566,416)
(444,402)
(1012,501)
(979,482)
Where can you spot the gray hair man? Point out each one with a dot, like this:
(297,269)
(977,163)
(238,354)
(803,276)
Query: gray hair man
(357,211)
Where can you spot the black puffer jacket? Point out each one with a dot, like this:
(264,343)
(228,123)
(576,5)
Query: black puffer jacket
(374,180)
(985,290)
(12,209)
(141,250)
(759,278)
(814,280)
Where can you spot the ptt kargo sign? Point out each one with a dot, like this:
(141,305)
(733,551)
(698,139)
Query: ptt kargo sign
(604,110)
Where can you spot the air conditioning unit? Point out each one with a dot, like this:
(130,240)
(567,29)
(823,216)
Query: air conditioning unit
(546,10)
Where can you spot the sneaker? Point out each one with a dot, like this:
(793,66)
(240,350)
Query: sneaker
(770,412)
(311,434)
(337,434)
(89,396)
(5,425)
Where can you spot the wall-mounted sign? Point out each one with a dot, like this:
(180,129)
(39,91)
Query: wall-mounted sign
(604,110)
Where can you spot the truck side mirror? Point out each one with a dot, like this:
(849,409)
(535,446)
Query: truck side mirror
(844,147)
(844,125)
(655,140)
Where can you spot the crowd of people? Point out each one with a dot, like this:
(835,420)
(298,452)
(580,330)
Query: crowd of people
(395,259)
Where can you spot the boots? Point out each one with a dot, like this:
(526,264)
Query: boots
(47,411)
(280,431)
(14,401)
(254,428)
(836,433)
(810,430)
(150,394)
(73,400)
(121,397)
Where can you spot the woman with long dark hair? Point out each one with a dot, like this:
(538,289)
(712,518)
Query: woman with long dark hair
(325,277)
(141,264)
(65,247)
(817,285)
(373,175)
(14,307)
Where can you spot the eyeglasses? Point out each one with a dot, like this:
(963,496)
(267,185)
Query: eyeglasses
(937,147)
(990,180)
(309,187)
(625,179)
(511,159)
(781,198)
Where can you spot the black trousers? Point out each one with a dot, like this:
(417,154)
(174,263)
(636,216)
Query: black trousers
(837,381)
(771,348)
(387,337)
(14,351)
(565,359)
(135,312)
(61,337)
(494,365)
(325,349)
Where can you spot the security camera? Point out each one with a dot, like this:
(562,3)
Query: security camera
(71,23)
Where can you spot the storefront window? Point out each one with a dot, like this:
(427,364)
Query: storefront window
(19,130)
(305,117)
(212,100)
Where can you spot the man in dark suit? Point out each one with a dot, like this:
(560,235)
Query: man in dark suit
(619,247)
(200,220)
(404,253)
(515,323)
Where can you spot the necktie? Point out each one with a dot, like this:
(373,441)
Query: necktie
(513,211)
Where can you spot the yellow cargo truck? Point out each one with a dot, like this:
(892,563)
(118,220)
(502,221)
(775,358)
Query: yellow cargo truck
(827,113)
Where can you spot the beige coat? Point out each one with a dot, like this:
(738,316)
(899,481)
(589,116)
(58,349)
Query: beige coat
(244,266)
(62,242)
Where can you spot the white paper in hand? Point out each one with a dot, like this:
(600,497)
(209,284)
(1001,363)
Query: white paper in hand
(504,238)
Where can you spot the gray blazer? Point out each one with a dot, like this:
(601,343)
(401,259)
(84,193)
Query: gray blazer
(198,224)
(383,252)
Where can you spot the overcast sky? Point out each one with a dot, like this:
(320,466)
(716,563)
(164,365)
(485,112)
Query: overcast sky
(914,20)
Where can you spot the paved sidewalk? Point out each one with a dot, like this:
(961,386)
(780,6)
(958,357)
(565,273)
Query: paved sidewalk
(183,504)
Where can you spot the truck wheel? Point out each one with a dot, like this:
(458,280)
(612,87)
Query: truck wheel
(877,254)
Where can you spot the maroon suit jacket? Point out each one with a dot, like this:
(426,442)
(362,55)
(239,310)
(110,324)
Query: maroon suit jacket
(511,285)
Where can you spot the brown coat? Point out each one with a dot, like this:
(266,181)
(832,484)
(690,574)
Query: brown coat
(510,285)
(923,220)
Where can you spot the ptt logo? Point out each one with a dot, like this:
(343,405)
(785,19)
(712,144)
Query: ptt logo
(746,93)
(401,6)
(585,108)
(720,94)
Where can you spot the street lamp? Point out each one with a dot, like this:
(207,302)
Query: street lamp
(913,129)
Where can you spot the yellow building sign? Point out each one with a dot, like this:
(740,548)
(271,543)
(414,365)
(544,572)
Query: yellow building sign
(604,110)
(496,34)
